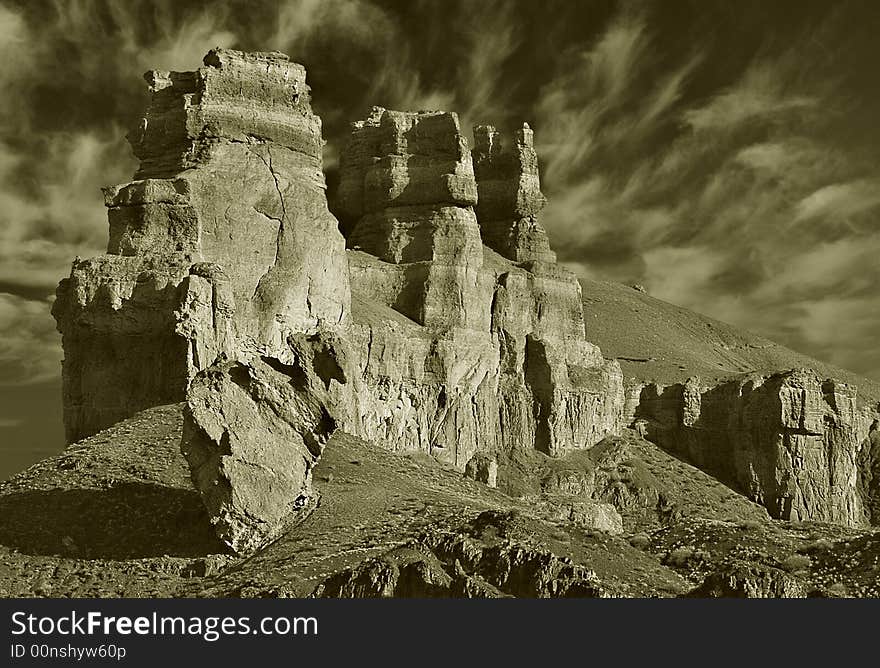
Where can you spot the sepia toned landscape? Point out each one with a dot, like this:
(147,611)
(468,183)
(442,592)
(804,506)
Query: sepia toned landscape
(392,376)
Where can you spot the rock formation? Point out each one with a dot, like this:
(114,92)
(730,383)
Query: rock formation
(510,196)
(223,244)
(791,441)
(491,354)
(440,324)
(223,256)
(744,580)
(223,251)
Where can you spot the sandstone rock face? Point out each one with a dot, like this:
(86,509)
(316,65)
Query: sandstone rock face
(791,441)
(398,158)
(253,431)
(869,471)
(510,196)
(463,352)
(223,244)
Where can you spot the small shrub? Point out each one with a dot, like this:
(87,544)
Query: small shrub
(702,555)
(838,589)
(680,556)
(818,545)
(640,541)
(796,562)
(560,535)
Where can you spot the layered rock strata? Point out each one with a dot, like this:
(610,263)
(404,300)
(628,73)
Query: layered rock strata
(223,243)
(510,196)
(791,441)
(461,350)
(226,283)
(408,181)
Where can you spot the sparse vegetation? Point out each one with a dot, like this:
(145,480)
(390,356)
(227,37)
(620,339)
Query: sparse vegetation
(818,545)
(680,557)
(640,541)
(796,562)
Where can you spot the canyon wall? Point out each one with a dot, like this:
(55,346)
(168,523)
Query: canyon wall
(792,441)
(227,284)
(440,323)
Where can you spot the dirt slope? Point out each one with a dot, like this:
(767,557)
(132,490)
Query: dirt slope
(658,341)
(115,515)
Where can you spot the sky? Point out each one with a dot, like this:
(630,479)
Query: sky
(724,155)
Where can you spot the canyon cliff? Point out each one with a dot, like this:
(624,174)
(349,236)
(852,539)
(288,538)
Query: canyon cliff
(440,323)
(792,441)
(226,280)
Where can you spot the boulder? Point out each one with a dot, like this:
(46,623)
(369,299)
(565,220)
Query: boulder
(483,468)
(252,433)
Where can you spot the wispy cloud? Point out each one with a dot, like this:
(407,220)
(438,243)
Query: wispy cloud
(737,203)
(30,351)
(839,200)
(760,94)
(734,176)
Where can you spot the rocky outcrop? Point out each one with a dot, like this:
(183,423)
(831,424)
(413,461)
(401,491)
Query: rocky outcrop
(791,441)
(252,433)
(749,580)
(408,181)
(462,352)
(869,473)
(440,324)
(479,560)
(223,244)
(510,196)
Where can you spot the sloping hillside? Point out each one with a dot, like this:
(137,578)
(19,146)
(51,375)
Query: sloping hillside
(660,342)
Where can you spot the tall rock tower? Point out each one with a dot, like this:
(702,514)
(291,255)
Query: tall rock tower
(223,242)
(494,353)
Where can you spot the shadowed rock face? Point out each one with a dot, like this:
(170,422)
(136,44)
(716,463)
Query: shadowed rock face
(791,441)
(510,196)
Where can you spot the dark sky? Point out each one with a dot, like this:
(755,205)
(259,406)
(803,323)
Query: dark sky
(724,154)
